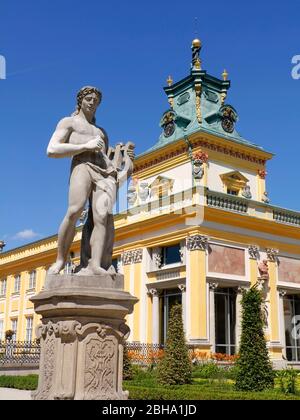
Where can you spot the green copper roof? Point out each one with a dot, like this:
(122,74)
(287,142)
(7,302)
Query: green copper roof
(217,117)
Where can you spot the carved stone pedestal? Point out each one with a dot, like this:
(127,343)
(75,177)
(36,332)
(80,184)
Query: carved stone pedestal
(82,335)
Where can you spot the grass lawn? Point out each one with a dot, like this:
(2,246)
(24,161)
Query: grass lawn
(144,387)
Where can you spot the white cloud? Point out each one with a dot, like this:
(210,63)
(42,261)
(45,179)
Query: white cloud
(26,234)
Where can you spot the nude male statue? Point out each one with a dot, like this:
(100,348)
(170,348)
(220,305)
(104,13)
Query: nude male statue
(94,177)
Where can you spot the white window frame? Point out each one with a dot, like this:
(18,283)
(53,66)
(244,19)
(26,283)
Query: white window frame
(1,329)
(17,285)
(14,327)
(29,328)
(32,280)
(3,287)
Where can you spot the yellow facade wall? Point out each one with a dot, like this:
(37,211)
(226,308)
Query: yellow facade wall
(198,297)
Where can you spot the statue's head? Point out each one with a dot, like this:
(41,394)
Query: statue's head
(88,99)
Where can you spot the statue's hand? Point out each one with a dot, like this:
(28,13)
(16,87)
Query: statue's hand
(95,144)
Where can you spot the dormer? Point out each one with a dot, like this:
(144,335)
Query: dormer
(234,183)
(161,187)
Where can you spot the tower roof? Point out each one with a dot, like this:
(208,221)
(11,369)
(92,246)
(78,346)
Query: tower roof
(198,104)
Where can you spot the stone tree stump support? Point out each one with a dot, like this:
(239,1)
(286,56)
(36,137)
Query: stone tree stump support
(82,335)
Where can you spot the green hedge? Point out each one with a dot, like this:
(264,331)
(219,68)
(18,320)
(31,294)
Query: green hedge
(29,382)
(144,393)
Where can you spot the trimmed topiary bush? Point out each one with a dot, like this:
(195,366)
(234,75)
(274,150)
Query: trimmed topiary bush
(175,367)
(127,365)
(254,369)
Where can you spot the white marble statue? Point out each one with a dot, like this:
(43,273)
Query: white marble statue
(96,173)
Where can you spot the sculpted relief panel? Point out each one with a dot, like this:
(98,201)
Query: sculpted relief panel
(226,260)
(289,270)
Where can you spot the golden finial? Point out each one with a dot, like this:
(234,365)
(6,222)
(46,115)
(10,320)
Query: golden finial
(196,43)
(169,80)
(225,75)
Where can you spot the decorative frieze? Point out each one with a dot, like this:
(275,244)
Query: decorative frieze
(253,251)
(199,143)
(272,254)
(132,257)
(197,243)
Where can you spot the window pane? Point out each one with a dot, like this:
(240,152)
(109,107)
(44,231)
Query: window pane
(172,254)
(225,320)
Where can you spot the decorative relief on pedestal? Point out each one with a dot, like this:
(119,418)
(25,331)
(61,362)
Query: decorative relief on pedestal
(100,362)
(253,251)
(48,347)
(132,257)
(99,357)
(272,254)
(197,242)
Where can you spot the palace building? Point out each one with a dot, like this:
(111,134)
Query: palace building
(199,229)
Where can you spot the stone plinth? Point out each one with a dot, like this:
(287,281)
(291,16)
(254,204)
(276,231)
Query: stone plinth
(82,333)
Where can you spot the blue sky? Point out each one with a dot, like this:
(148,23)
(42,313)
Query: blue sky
(128,49)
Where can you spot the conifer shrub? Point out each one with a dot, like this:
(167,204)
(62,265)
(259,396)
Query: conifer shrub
(175,367)
(254,369)
(128,372)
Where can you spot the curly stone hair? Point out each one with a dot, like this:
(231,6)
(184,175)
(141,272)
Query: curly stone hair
(86,90)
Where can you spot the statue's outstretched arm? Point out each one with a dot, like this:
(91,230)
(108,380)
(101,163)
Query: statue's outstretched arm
(58,147)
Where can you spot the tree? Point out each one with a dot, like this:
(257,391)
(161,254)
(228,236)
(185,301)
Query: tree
(254,369)
(127,366)
(175,367)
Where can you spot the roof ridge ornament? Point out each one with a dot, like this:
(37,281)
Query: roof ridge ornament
(196,48)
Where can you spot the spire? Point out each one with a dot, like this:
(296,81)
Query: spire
(196,48)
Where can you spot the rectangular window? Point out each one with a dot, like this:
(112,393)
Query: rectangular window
(32,280)
(14,327)
(292,327)
(225,320)
(3,287)
(232,192)
(17,283)
(169,298)
(171,254)
(29,325)
(1,329)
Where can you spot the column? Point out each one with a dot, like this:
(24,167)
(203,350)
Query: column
(212,318)
(182,287)
(155,315)
(282,294)
(197,292)
(132,262)
(238,322)
(275,342)
(253,252)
